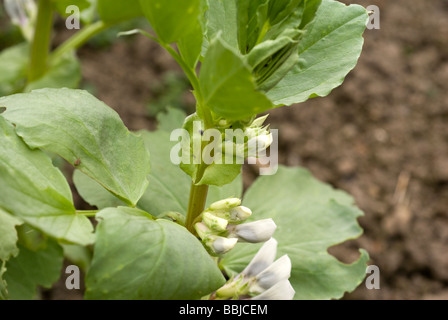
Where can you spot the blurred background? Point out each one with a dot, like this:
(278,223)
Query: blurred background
(382,136)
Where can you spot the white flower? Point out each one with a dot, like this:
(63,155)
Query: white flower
(263,278)
(254,232)
(280,291)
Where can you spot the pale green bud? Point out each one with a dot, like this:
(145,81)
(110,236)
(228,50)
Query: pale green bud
(202,230)
(214,222)
(259,121)
(225,204)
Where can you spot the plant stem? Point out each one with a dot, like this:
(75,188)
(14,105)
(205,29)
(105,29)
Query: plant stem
(87,213)
(41,41)
(196,204)
(79,39)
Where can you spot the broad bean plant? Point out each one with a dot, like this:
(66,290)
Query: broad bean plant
(171,219)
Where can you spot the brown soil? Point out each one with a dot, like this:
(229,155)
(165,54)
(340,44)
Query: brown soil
(382,136)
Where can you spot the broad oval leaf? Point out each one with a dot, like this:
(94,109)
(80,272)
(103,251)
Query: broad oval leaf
(328,51)
(228,85)
(37,192)
(86,133)
(140,258)
(310,216)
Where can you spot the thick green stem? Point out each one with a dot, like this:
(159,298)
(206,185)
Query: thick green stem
(79,39)
(41,41)
(196,204)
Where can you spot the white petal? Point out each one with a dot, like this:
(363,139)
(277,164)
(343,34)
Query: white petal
(222,245)
(264,258)
(240,213)
(277,272)
(258,231)
(281,291)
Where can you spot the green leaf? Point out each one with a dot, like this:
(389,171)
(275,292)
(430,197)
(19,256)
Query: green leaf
(93,193)
(252,17)
(86,133)
(37,192)
(222,19)
(139,258)
(8,236)
(329,49)
(310,216)
(172,20)
(65,72)
(190,46)
(228,85)
(13,67)
(114,11)
(33,268)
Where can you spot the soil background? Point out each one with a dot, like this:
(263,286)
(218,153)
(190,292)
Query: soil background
(382,136)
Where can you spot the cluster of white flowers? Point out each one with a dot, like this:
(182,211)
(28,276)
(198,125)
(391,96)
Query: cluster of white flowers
(222,226)
(22,13)
(263,279)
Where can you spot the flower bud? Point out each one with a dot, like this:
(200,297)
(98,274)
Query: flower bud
(239,214)
(214,222)
(259,121)
(202,230)
(280,291)
(220,245)
(225,204)
(254,232)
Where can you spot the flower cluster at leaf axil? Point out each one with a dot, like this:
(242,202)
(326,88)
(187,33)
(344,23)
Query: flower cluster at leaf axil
(250,141)
(222,226)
